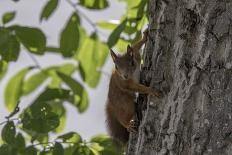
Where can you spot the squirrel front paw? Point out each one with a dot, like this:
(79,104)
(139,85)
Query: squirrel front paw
(133,126)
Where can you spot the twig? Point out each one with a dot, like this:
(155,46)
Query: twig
(34,60)
(13,119)
(78,11)
(82,14)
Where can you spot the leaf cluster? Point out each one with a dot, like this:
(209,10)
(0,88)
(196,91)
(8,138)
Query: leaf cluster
(27,131)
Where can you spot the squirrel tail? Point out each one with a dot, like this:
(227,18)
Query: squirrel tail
(119,134)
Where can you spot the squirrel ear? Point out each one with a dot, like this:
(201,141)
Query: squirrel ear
(113,55)
(130,50)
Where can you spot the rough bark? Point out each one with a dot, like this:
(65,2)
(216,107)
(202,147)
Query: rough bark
(189,58)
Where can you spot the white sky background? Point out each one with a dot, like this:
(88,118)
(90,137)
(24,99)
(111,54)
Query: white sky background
(92,121)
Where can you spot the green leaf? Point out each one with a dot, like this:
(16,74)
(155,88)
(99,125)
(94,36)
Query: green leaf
(96,4)
(58,149)
(96,148)
(92,59)
(9,46)
(71,137)
(39,118)
(31,150)
(110,25)
(83,150)
(77,89)
(67,69)
(6,149)
(19,142)
(8,132)
(33,82)
(40,137)
(69,40)
(115,35)
(121,45)
(51,94)
(36,80)
(131,3)
(13,89)
(107,144)
(48,9)
(107,25)
(46,152)
(32,38)
(8,16)
(3,68)
(141,23)
(70,149)
(58,108)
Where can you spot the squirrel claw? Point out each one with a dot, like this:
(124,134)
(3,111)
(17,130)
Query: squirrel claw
(133,126)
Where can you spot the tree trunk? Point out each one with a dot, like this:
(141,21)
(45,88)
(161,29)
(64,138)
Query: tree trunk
(189,58)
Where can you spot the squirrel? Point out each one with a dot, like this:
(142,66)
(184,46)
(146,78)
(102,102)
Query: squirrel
(123,85)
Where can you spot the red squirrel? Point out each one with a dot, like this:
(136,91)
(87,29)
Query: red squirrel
(124,83)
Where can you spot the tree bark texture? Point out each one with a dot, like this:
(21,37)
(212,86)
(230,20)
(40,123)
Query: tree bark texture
(189,58)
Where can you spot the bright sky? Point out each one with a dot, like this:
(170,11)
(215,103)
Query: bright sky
(92,121)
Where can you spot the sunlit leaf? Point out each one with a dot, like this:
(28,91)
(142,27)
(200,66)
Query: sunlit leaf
(39,118)
(111,25)
(96,4)
(13,89)
(69,40)
(107,25)
(131,3)
(67,69)
(38,78)
(106,144)
(141,23)
(121,45)
(92,59)
(48,9)
(8,132)
(34,82)
(96,148)
(9,46)
(114,36)
(77,89)
(58,149)
(85,150)
(32,38)
(71,137)
(8,16)
(59,109)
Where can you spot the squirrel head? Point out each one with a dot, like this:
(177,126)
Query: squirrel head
(125,64)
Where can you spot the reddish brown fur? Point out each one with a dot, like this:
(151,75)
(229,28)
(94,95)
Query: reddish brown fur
(120,108)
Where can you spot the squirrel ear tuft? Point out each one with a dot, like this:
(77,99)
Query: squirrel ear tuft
(129,50)
(113,55)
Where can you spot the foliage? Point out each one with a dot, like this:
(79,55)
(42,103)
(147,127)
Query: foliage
(28,131)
